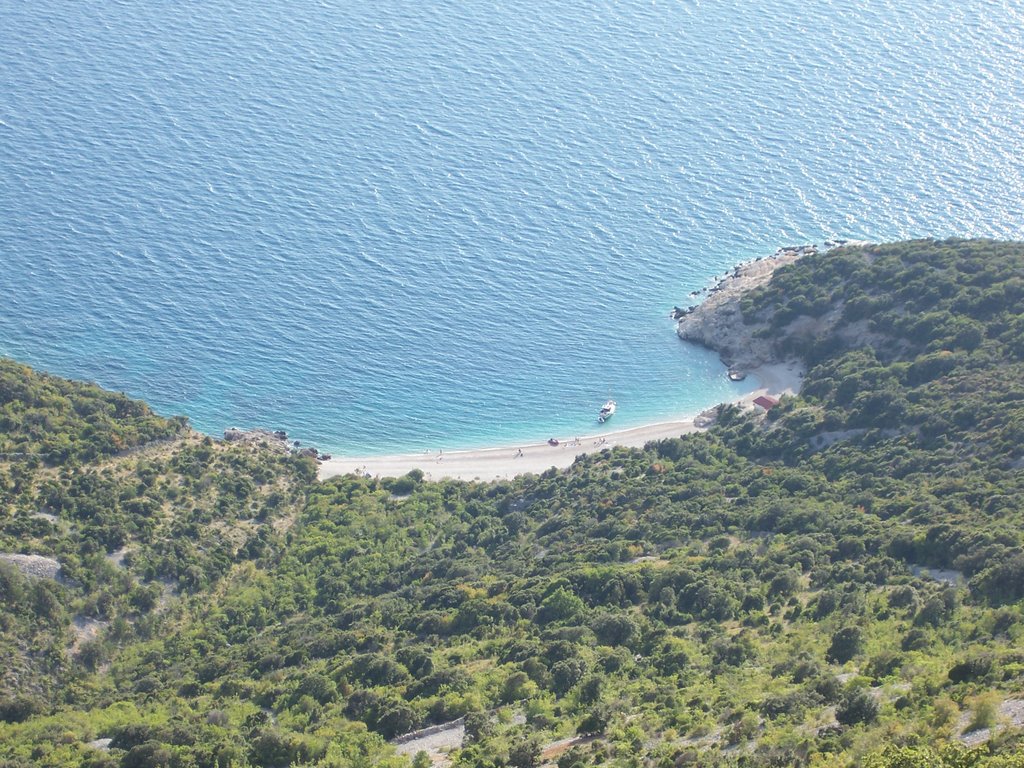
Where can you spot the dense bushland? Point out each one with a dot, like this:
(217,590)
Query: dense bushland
(49,420)
(796,589)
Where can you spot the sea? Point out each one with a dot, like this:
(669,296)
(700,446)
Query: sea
(407,225)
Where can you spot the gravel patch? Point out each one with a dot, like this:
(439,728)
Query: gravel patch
(436,741)
(1011,715)
(34,566)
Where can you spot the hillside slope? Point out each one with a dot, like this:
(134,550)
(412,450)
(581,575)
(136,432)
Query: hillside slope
(800,588)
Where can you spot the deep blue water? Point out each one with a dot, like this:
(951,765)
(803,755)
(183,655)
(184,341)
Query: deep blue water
(402,225)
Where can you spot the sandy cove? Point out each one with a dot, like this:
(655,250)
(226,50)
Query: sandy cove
(716,323)
(506,462)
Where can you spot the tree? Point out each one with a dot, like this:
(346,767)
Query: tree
(525,754)
(565,674)
(846,643)
(478,726)
(151,754)
(395,719)
(272,748)
(517,687)
(594,722)
(613,629)
(320,687)
(784,584)
(591,689)
(857,706)
(18,709)
(560,605)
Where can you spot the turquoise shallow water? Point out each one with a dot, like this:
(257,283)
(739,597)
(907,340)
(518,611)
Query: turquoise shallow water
(394,225)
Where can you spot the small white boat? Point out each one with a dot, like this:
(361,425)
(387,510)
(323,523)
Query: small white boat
(606,412)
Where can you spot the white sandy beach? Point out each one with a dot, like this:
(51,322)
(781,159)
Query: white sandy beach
(506,461)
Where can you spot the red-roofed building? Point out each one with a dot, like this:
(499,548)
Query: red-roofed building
(766,402)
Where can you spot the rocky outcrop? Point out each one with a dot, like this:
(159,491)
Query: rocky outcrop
(35,566)
(717,322)
(275,439)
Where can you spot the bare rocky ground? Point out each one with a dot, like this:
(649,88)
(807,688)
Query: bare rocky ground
(83,630)
(437,741)
(440,740)
(946,576)
(35,566)
(1010,715)
(717,322)
(550,754)
(116,558)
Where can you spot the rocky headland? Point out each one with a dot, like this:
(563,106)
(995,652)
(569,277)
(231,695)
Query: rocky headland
(717,322)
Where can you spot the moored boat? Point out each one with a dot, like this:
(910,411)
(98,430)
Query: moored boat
(606,412)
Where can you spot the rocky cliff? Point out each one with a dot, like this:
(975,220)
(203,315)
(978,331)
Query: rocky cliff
(717,322)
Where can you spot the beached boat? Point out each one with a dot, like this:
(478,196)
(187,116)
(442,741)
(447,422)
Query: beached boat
(606,412)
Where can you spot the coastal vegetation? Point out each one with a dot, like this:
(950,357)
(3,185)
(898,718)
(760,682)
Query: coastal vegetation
(839,581)
(48,420)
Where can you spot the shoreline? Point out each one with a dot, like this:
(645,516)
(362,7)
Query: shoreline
(507,461)
(715,323)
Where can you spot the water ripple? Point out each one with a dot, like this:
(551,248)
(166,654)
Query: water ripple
(382,228)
